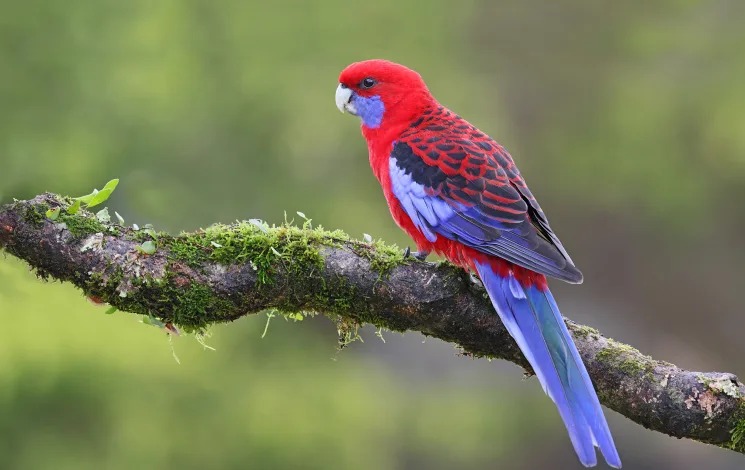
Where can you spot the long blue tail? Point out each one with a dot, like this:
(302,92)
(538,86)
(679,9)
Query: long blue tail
(533,319)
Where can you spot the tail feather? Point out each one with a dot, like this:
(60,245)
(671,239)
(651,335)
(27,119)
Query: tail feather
(534,321)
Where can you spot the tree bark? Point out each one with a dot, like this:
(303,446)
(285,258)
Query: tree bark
(224,272)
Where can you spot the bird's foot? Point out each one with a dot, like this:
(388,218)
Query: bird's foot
(418,255)
(475,281)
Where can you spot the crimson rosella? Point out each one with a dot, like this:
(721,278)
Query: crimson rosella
(458,193)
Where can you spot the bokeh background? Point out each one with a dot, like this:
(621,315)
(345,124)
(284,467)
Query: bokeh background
(627,119)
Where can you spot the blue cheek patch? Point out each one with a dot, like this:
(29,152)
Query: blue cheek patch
(370,110)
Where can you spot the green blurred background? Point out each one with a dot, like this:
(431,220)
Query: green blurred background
(627,120)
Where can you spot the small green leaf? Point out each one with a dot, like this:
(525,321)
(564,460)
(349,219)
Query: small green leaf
(110,310)
(74,208)
(104,194)
(152,321)
(275,251)
(103,215)
(111,185)
(147,247)
(88,197)
(135,227)
(367,238)
(52,214)
(215,244)
(307,221)
(260,224)
(119,218)
(151,232)
(97,197)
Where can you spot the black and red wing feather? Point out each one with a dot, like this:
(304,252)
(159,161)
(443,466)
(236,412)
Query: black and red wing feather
(455,181)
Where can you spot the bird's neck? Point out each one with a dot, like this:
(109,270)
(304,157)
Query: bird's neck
(379,145)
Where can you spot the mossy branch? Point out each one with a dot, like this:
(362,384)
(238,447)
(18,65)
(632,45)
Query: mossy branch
(224,272)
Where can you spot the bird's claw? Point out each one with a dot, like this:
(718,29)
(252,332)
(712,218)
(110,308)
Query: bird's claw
(418,255)
(475,279)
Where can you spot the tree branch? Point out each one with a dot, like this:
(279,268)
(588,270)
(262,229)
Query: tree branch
(224,272)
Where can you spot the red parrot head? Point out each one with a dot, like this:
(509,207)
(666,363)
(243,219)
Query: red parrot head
(381,93)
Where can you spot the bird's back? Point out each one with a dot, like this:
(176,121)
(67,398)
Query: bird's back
(453,160)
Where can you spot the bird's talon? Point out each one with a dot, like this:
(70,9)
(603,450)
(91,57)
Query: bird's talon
(417,255)
(475,279)
(420,255)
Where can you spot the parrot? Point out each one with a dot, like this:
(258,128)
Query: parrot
(457,192)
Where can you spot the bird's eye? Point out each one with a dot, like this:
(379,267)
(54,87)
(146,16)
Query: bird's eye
(367,83)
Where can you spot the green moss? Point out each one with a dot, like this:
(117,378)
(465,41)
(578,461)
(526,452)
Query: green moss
(145,235)
(296,251)
(348,332)
(95,282)
(82,224)
(582,331)
(192,305)
(737,433)
(36,214)
(188,250)
(383,257)
(296,248)
(336,296)
(266,248)
(624,358)
(104,285)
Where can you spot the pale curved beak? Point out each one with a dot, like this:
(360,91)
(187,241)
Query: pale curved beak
(344,100)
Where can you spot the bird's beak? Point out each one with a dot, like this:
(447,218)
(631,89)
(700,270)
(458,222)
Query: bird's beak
(344,100)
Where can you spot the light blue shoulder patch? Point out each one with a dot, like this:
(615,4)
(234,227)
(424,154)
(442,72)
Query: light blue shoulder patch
(426,211)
